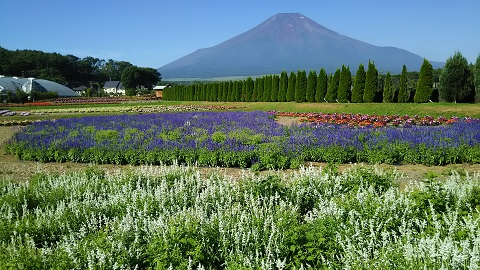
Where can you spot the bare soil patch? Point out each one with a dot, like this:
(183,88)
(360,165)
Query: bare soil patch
(287,121)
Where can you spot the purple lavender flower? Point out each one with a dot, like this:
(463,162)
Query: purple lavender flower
(251,135)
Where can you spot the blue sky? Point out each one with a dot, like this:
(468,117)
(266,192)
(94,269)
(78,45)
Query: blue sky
(151,33)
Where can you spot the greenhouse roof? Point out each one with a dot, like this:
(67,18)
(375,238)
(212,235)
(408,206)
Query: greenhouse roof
(27,84)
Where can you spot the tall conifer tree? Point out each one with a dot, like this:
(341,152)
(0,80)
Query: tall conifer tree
(292,82)
(191,92)
(204,92)
(230,92)
(195,92)
(311,86)
(282,91)
(359,85)
(210,89)
(345,85)
(425,83)
(218,91)
(260,89)
(267,88)
(224,91)
(238,91)
(249,90)
(201,92)
(371,83)
(301,86)
(403,87)
(476,79)
(255,90)
(275,86)
(244,90)
(322,83)
(212,92)
(333,83)
(388,89)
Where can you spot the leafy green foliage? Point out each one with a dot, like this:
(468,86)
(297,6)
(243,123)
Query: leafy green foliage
(219,137)
(157,139)
(136,77)
(455,79)
(173,217)
(59,68)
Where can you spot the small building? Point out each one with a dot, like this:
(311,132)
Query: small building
(80,89)
(114,88)
(159,90)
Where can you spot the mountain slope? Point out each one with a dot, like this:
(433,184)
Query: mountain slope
(288,41)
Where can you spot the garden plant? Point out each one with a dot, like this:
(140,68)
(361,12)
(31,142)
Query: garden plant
(248,139)
(170,217)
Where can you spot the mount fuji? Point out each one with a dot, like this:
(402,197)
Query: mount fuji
(288,42)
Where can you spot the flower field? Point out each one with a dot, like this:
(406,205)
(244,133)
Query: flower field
(104,110)
(241,139)
(133,109)
(82,100)
(365,120)
(172,217)
(169,217)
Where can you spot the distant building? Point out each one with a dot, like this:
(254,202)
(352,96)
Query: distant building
(27,85)
(80,89)
(114,88)
(159,90)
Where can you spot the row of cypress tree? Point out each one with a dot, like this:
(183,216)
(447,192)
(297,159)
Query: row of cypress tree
(366,86)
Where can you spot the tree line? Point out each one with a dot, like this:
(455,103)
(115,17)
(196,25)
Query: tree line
(457,81)
(73,71)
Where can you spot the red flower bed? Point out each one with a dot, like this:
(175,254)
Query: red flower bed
(103,100)
(364,120)
(32,104)
(94,100)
